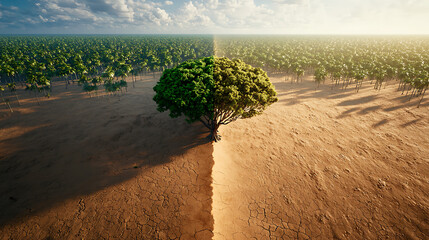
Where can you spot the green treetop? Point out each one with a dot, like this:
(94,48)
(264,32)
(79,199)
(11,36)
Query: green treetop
(214,91)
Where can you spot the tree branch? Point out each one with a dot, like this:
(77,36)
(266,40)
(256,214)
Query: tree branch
(205,124)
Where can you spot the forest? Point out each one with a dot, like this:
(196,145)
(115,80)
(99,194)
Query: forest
(32,62)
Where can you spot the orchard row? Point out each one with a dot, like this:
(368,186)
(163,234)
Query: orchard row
(93,61)
(34,61)
(346,60)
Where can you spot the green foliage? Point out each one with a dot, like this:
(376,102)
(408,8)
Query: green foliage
(214,91)
(89,87)
(346,59)
(64,56)
(96,80)
(241,91)
(111,86)
(38,82)
(320,75)
(35,60)
(11,87)
(123,83)
(187,89)
(83,80)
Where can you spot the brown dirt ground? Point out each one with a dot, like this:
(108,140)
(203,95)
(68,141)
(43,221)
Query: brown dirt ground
(317,164)
(325,164)
(102,168)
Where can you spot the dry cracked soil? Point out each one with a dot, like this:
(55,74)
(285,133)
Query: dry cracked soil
(318,164)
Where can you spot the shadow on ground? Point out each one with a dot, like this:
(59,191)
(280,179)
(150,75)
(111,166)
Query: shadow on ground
(75,146)
(296,93)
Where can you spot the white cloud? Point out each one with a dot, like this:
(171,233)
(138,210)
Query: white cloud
(121,7)
(376,17)
(117,13)
(287,1)
(211,4)
(43,19)
(226,16)
(150,13)
(66,10)
(159,17)
(192,15)
(316,16)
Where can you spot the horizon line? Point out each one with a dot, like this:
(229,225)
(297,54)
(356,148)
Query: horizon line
(218,34)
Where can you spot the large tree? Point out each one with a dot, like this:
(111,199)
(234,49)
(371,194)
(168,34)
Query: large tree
(214,91)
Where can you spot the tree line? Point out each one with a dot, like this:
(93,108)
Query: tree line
(346,61)
(34,61)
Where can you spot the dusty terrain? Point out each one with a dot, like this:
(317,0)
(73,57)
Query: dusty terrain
(325,164)
(318,164)
(103,168)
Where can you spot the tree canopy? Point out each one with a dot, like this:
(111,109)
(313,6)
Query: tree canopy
(214,91)
(187,89)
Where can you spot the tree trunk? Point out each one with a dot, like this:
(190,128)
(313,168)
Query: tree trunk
(418,105)
(214,136)
(37,97)
(213,126)
(132,79)
(17,98)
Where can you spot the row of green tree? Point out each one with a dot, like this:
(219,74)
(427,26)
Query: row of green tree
(34,61)
(346,61)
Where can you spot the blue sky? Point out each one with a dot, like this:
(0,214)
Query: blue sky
(214,16)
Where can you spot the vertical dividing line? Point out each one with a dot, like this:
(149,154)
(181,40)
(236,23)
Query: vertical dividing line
(223,203)
(215,46)
(216,198)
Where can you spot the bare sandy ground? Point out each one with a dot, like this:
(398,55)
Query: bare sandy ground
(318,164)
(102,168)
(325,164)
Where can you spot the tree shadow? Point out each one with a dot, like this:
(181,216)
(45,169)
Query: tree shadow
(402,102)
(348,112)
(309,90)
(380,123)
(369,109)
(358,101)
(69,147)
(412,122)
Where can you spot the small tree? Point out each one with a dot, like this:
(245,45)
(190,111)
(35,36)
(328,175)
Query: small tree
(320,75)
(5,100)
(214,91)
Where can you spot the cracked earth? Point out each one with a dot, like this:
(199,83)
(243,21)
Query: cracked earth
(325,164)
(103,168)
(318,164)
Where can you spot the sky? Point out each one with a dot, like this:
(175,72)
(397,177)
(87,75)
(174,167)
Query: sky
(214,17)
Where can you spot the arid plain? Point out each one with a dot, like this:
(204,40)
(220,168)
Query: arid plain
(320,163)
